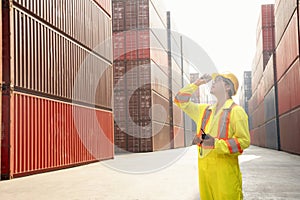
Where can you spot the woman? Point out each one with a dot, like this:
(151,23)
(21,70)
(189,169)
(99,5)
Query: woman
(227,135)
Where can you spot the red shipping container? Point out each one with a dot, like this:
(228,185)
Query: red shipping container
(47,135)
(267,12)
(253,137)
(288,49)
(269,75)
(260,114)
(261,91)
(131,45)
(74,19)
(177,116)
(161,110)
(118,15)
(290,131)
(143,44)
(48,62)
(143,14)
(130,15)
(119,45)
(257,75)
(284,10)
(289,90)
(162,138)
(262,136)
(106,5)
(159,80)
(257,137)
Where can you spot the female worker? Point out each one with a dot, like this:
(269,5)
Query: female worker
(227,135)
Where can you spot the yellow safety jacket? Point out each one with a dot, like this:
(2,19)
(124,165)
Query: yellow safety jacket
(219,173)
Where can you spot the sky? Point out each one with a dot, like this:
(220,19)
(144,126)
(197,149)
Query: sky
(225,29)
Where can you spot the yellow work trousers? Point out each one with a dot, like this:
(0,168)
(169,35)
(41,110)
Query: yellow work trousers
(219,177)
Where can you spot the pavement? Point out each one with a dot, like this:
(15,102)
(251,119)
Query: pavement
(164,175)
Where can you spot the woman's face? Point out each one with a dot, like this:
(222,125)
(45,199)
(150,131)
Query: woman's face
(218,86)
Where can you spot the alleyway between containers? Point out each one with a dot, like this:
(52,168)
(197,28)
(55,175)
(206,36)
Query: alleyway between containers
(267,174)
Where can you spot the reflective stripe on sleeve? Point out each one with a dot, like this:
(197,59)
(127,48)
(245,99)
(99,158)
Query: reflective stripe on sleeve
(182,97)
(234,145)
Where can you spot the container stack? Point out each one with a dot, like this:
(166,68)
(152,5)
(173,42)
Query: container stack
(288,73)
(56,85)
(143,104)
(262,105)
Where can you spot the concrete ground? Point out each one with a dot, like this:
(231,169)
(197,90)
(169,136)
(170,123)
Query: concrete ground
(171,174)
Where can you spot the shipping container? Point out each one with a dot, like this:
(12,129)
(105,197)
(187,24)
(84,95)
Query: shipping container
(84,21)
(162,138)
(54,112)
(284,10)
(118,17)
(178,137)
(65,73)
(253,137)
(290,131)
(255,118)
(146,143)
(260,115)
(256,137)
(262,136)
(46,135)
(106,5)
(141,44)
(264,38)
(120,137)
(269,75)
(289,47)
(261,90)
(160,111)
(272,135)
(159,80)
(270,105)
(177,116)
(258,74)
(289,90)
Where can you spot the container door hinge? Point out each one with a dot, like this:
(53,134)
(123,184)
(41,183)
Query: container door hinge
(6,87)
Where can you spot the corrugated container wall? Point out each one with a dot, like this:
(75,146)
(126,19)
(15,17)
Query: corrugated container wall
(259,107)
(281,85)
(142,84)
(57,72)
(288,73)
